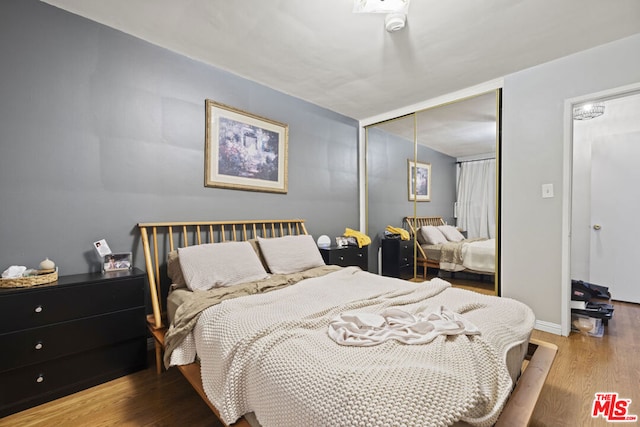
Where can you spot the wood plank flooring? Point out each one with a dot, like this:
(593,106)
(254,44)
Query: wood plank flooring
(587,365)
(584,365)
(140,399)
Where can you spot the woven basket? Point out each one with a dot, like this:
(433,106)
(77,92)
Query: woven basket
(26,282)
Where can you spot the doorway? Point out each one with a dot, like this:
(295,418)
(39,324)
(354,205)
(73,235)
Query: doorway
(604,177)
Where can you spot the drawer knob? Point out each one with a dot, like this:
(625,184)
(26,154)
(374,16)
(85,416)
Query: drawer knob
(38,309)
(360,254)
(40,378)
(39,346)
(341,258)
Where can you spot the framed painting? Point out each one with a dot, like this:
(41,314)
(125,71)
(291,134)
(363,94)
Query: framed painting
(244,151)
(419,181)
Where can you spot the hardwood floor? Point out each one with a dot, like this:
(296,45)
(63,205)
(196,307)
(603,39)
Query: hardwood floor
(584,365)
(587,365)
(140,399)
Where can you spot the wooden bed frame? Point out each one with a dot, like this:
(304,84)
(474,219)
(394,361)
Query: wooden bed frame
(158,239)
(413,223)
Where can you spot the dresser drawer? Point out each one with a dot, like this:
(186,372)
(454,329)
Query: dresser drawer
(397,257)
(35,384)
(405,253)
(34,308)
(351,256)
(38,345)
(346,256)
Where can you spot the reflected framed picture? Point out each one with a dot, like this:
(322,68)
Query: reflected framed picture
(244,151)
(419,181)
(117,261)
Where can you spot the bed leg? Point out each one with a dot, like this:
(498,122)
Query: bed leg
(158,341)
(158,357)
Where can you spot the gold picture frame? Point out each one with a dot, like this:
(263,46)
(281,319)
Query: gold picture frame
(244,151)
(420,172)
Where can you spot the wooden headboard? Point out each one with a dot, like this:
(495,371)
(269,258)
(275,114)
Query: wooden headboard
(415,222)
(160,238)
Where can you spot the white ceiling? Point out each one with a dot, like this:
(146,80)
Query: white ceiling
(323,53)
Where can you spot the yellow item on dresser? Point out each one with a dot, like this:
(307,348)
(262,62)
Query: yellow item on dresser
(361,238)
(404,234)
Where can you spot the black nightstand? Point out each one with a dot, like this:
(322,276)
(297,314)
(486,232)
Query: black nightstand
(59,338)
(397,258)
(346,256)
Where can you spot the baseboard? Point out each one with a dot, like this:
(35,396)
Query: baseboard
(552,328)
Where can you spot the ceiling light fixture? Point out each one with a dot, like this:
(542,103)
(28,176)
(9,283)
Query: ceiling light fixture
(395,21)
(396,11)
(588,111)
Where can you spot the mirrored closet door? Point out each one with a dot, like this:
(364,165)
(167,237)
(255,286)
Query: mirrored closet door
(449,154)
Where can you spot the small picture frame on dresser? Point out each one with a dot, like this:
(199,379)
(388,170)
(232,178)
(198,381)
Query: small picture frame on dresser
(117,261)
(102,248)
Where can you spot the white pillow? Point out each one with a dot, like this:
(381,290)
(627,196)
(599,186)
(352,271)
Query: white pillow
(431,235)
(290,254)
(451,233)
(215,265)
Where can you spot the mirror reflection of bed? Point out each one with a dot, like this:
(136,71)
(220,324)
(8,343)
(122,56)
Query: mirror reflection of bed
(459,140)
(252,342)
(445,252)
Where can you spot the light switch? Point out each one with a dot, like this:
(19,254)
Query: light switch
(547,191)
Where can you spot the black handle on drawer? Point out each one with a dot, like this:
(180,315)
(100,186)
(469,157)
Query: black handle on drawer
(39,345)
(40,378)
(39,309)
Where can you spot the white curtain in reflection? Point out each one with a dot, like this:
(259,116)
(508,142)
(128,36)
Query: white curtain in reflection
(476,205)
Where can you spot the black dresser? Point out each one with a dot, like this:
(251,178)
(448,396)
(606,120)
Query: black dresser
(59,338)
(347,256)
(397,258)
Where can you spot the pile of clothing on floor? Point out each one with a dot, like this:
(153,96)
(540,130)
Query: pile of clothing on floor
(590,304)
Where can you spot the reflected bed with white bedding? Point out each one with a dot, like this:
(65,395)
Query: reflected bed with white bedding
(444,247)
(283,340)
(475,255)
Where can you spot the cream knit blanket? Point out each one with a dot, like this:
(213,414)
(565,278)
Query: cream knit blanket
(271,354)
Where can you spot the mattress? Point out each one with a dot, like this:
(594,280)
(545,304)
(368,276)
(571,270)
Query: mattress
(244,317)
(476,255)
(514,359)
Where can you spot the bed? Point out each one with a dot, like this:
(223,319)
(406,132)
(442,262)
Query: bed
(283,349)
(443,247)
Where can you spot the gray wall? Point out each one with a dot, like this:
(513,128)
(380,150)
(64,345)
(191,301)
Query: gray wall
(532,154)
(100,130)
(388,195)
